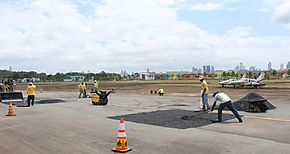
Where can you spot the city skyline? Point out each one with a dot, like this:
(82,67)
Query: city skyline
(104,35)
(203,69)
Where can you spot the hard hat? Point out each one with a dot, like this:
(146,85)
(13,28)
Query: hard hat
(30,83)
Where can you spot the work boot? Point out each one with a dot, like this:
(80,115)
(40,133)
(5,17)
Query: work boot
(216,121)
(240,120)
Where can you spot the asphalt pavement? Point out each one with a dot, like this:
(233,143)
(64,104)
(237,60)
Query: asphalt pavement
(75,126)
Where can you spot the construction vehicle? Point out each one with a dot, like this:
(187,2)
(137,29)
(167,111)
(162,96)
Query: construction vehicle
(7,85)
(8,94)
(100,97)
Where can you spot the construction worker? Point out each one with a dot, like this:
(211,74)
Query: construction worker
(225,101)
(31,94)
(14,85)
(81,89)
(6,86)
(2,88)
(96,86)
(161,92)
(204,94)
(85,90)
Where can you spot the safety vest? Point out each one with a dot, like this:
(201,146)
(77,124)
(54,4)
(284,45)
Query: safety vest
(31,90)
(96,85)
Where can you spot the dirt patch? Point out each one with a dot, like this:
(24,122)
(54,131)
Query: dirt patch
(179,119)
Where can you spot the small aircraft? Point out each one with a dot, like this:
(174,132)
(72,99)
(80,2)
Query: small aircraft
(229,81)
(246,82)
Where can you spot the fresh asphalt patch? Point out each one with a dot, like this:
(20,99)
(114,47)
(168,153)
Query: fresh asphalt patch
(49,101)
(179,119)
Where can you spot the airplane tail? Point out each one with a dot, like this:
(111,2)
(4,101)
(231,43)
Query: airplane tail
(261,77)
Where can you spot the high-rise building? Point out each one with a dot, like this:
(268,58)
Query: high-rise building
(199,70)
(253,68)
(242,67)
(237,68)
(207,69)
(269,66)
(194,70)
(204,69)
(10,68)
(281,66)
(212,69)
(288,65)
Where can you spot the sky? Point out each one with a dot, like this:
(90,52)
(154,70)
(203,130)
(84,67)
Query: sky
(163,35)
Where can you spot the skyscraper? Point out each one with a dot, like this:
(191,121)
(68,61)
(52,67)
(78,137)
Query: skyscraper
(242,67)
(194,70)
(281,66)
(212,69)
(253,68)
(10,68)
(237,68)
(288,65)
(207,69)
(269,66)
(204,69)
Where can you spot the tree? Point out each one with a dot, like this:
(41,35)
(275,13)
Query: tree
(250,74)
(224,74)
(233,74)
(274,73)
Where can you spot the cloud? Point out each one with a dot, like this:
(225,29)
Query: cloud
(282,13)
(57,35)
(207,6)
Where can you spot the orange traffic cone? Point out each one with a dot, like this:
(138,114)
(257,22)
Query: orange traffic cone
(10,110)
(122,144)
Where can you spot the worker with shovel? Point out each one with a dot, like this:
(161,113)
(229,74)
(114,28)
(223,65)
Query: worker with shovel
(225,101)
(204,94)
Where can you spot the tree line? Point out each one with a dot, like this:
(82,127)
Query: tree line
(18,75)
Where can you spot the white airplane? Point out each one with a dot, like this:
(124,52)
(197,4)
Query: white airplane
(229,81)
(249,82)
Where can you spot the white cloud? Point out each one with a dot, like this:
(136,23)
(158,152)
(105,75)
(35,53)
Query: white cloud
(52,36)
(239,32)
(282,13)
(207,6)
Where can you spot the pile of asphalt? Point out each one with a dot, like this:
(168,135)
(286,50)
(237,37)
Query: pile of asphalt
(253,102)
(49,101)
(180,119)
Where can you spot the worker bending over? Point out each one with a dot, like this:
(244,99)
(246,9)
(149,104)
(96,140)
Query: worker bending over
(161,92)
(225,101)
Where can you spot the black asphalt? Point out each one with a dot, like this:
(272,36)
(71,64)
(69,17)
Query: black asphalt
(180,119)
